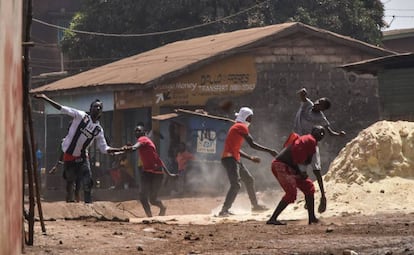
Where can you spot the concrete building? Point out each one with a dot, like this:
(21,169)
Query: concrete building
(395,78)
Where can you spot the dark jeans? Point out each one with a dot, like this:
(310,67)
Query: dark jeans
(149,189)
(237,172)
(78,174)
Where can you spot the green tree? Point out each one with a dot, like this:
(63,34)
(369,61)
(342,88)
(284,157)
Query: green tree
(360,19)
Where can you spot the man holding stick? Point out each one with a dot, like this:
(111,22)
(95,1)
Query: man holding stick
(236,171)
(152,172)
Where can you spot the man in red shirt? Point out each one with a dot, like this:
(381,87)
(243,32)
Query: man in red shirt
(183,158)
(236,171)
(152,172)
(290,177)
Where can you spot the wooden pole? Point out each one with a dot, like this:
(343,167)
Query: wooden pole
(27,166)
(28,136)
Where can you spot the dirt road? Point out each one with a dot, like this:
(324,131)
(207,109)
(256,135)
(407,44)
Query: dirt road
(199,232)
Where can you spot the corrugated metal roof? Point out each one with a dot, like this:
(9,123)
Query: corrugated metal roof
(175,58)
(397,34)
(373,66)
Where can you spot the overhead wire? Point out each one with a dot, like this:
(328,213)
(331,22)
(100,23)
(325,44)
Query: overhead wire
(43,61)
(160,32)
(401,10)
(400,16)
(152,33)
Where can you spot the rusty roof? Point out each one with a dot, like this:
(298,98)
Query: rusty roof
(148,68)
(373,66)
(398,34)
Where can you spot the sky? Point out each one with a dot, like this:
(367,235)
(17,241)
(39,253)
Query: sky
(403,10)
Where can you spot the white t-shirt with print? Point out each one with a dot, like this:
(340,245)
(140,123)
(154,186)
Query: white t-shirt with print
(82,132)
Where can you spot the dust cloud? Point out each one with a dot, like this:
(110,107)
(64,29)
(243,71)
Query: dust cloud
(373,173)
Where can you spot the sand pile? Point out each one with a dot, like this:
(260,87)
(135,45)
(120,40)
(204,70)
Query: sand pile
(385,149)
(374,172)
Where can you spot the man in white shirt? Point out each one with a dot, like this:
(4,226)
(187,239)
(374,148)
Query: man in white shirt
(309,115)
(85,129)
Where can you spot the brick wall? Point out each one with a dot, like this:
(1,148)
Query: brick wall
(309,62)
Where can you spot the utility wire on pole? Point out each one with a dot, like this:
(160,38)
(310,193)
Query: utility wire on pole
(152,33)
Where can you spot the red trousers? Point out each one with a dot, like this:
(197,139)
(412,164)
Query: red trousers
(290,181)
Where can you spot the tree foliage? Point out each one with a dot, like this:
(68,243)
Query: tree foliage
(360,19)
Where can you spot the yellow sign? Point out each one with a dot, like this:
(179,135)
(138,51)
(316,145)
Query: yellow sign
(232,76)
(133,99)
(229,77)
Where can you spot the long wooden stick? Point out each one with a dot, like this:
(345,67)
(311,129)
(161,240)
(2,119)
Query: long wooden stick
(205,115)
(28,135)
(28,166)
(36,173)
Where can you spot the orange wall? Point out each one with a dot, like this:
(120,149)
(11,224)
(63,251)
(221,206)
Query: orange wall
(10,127)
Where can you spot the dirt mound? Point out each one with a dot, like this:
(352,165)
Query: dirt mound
(385,149)
(374,172)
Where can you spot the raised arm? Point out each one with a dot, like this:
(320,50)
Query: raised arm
(302,93)
(50,101)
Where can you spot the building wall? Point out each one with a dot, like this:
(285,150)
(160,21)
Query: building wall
(397,94)
(11,127)
(295,62)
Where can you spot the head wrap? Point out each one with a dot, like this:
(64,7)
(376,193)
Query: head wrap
(243,113)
